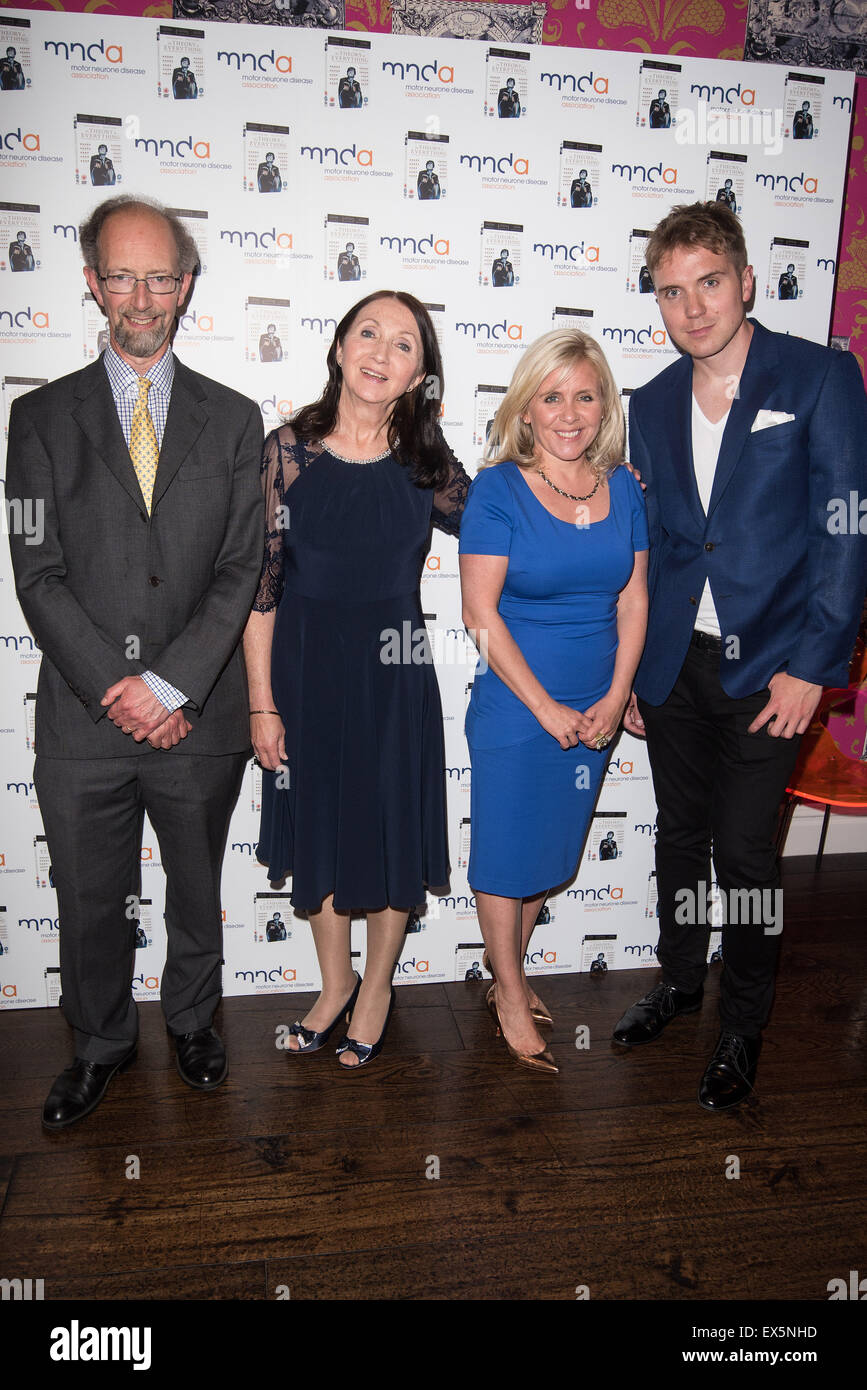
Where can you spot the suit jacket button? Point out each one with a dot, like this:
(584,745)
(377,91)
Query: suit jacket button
(693,602)
(708,545)
(154,581)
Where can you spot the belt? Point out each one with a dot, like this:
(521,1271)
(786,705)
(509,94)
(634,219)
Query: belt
(706,642)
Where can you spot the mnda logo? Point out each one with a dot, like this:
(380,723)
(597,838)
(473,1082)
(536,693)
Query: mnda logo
(492,332)
(193,322)
(176,149)
(422,246)
(540,957)
(260,241)
(90,53)
(585,82)
(503,164)
(259,62)
(619,767)
(319,325)
(270,407)
(268,977)
(428,72)
(635,336)
(413,966)
(364,158)
(638,173)
(560,252)
(24,318)
(596,895)
(724,95)
(28,141)
(151,982)
(40,923)
(794,183)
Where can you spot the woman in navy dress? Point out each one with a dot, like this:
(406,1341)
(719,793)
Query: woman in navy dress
(345,718)
(554,581)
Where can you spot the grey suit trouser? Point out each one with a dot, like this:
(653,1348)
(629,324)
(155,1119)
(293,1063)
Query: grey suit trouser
(93,812)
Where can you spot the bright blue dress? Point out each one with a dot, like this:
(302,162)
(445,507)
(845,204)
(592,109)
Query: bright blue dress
(531,800)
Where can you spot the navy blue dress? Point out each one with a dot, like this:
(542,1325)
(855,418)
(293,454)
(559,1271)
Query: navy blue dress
(363,815)
(531,800)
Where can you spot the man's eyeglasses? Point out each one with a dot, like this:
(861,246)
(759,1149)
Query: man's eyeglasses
(125,284)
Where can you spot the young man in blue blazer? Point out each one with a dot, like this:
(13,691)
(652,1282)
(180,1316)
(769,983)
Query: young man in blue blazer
(749,446)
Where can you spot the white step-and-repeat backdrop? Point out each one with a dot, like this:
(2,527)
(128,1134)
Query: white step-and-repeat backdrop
(512,190)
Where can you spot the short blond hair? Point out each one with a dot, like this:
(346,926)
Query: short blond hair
(564,348)
(711,225)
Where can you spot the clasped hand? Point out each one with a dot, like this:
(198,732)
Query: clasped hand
(571,727)
(134,709)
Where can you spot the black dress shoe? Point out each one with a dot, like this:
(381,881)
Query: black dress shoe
(201,1059)
(730,1072)
(645,1020)
(79,1089)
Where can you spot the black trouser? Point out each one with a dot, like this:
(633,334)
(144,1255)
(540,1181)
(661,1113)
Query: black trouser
(717,786)
(92,811)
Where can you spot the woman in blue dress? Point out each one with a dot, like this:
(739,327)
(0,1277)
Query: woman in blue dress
(345,717)
(554,581)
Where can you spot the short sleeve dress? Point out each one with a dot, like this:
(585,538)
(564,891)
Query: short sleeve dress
(531,800)
(362,812)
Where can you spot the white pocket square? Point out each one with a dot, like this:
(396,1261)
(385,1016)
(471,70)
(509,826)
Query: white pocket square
(766,418)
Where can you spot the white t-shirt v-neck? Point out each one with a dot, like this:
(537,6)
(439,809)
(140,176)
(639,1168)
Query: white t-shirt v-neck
(706,440)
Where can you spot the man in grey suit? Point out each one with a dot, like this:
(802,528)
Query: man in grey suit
(147,476)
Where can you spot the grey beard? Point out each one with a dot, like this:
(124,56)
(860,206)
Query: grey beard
(143,343)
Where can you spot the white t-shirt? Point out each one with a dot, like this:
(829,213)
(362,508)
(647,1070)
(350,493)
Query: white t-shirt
(706,439)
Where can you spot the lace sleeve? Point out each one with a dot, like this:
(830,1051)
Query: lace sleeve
(280,468)
(450,500)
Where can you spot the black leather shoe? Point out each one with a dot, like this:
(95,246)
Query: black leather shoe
(79,1089)
(201,1059)
(730,1072)
(645,1020)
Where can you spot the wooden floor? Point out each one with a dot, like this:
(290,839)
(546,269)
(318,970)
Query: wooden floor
(609,1176)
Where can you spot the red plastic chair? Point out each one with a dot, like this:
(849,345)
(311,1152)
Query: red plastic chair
(832,763)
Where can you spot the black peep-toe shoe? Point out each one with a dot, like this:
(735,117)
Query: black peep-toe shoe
(365,1052)
(311,1041)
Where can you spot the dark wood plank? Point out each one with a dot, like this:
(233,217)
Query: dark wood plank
(297,1172)
(650,1260)
(237,1283)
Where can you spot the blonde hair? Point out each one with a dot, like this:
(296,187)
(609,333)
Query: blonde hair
(564,348)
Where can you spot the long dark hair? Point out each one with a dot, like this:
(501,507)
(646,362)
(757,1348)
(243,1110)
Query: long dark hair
(413,429)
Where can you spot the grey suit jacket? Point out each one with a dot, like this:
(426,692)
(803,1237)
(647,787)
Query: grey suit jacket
(110,591)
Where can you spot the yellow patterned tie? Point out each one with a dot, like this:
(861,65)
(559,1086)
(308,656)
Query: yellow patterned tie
(143,448)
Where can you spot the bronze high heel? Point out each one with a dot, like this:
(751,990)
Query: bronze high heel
(538,1014)
(533,1061)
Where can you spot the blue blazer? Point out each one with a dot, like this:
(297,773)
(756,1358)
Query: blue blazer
(787,578)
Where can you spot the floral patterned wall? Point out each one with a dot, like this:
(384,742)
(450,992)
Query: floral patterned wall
(700,28)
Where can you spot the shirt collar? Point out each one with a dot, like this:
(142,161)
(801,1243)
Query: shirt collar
(124,379)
